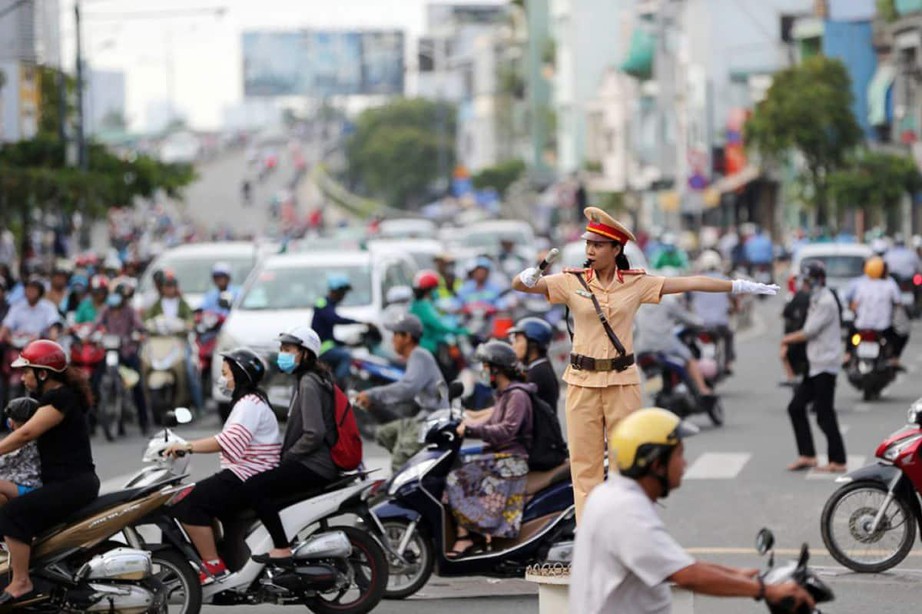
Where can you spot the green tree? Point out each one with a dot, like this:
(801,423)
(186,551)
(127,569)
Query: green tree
(875,182)
(808,110)
(499,177)
(49,121)
(396,149)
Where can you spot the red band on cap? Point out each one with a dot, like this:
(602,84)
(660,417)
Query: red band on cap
(607,231)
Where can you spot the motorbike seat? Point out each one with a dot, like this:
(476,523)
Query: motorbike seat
(536,481)
(248,515)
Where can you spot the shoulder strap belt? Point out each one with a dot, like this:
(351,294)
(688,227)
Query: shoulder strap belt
(598,311)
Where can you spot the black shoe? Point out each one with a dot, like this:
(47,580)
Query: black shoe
(265,559)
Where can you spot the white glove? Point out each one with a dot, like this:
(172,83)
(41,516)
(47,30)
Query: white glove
(530,276)
(743,286)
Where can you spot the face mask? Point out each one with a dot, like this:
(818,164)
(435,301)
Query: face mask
(285,362)
(114,300)
(223,387)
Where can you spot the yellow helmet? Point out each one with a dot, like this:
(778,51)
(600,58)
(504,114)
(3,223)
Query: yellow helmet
(874,267)
(644,436)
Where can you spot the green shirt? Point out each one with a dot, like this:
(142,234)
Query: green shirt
(435,330)
(86,312)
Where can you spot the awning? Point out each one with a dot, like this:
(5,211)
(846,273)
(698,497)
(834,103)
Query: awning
(878,89)
(639,61)
(732,183)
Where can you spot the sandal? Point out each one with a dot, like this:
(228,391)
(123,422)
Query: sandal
(802,465)
(832,468)
(455,552)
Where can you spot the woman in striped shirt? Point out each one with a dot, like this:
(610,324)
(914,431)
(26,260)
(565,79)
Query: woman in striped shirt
(249,444)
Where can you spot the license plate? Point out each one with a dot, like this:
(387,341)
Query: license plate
(868,350)
(908,298)
(654,384)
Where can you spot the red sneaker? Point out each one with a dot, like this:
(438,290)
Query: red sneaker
(217,569)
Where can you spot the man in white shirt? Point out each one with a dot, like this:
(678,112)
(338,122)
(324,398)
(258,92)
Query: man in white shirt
(625,566)
(875,297)
(34,316)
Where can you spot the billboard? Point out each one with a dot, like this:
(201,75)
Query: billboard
(322,63)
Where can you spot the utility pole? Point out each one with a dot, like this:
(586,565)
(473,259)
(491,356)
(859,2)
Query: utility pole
(82,158)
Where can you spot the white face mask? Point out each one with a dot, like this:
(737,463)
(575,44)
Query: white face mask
(224,387)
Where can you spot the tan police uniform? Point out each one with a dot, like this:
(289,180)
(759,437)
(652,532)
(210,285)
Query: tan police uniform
(598,399)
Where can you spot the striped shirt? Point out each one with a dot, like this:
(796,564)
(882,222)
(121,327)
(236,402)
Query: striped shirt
(250,442)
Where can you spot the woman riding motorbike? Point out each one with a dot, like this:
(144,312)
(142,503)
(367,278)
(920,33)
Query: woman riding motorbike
(249,446)
(486,494)
(69,479)
(306,460)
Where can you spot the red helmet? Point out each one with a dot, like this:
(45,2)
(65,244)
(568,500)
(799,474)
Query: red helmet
(99,282)
(42,354)
(426,280)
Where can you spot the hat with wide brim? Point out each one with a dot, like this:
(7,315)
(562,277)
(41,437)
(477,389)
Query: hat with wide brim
(603,227)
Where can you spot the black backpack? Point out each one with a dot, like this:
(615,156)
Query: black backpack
(548,448)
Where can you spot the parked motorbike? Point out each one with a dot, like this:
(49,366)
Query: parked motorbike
(868,368)
(671,387)
(798,572)
(163,356)
(416,522)
(336,568)
(869,523)
(77,567)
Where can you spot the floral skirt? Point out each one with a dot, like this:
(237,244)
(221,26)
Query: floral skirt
(486,494)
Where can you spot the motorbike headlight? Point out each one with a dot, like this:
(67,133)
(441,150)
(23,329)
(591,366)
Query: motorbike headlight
(409,474)
(897,447)
(914,415)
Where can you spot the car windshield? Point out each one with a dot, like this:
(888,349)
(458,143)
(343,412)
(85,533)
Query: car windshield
(839,266)
(300,287)
(194,272)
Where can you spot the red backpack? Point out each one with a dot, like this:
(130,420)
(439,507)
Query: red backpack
(347,451)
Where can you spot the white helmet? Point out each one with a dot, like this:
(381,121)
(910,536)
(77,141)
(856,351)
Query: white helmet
(879,246)
(709,260)
(304,336)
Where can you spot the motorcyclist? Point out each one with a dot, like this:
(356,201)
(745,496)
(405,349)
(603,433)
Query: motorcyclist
(669,254)
(4,304)
(530,338)
(58,291)
(326,318)
(876,297)
(436,330)
(89,309)
(509,259)
(78,292)
(759,251)
(479,288)
(449,283)
(626,566)
(714,309)
(14,289)
(221,275)
(902,261)
(656,333)
(35,316)
(118,318)
(172,305)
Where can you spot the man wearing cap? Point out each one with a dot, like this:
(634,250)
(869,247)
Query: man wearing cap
(421,389)
(603,383)
(326,318)
(221,275)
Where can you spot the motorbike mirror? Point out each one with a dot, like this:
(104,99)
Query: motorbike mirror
(183,415)
(804,556)
(765,541)
(455,390)
(225,299)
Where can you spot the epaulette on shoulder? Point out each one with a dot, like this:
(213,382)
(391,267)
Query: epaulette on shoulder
(633,272)
(575,270)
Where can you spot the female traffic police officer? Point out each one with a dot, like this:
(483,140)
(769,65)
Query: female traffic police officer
(603,384)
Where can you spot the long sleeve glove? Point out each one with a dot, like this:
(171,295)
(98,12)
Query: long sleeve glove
(530,277)
(743,286)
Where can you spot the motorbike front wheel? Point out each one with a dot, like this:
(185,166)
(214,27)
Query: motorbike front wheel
(367,566)
(109,407)
(408,576)
(180,580)
(846,527)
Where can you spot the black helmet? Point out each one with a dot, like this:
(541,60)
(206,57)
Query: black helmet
(36,282)
(497,354)
(813,270)
(534,329)
(247,361)
(21,409)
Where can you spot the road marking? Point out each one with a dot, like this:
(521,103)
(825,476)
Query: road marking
(853,462)
(717,466)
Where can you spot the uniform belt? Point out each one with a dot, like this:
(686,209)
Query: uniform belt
(587,363)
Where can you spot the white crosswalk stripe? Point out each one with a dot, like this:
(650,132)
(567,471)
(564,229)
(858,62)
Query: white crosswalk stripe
(717,466)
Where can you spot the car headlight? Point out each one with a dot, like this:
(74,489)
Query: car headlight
(410,474)
(897,448)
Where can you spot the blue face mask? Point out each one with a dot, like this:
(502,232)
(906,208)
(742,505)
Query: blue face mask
(285,362)
(114,300)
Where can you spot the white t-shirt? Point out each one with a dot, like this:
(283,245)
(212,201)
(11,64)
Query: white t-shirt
(875,299)
(250,442)
(170,307)
(623,554)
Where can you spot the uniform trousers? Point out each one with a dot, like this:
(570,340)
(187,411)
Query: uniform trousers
(592,415)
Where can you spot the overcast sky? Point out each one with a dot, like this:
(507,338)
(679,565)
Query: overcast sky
(205,50)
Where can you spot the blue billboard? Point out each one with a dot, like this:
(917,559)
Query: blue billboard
(323,63)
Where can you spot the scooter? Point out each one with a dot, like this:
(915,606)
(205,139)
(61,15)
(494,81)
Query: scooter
(114,405)
(671,387)
(707,347)
(417,523)
(868,369)
(336,567)
(86,351)
(798,572)
(207,326)
(77,567)
(869,523)
(163,356)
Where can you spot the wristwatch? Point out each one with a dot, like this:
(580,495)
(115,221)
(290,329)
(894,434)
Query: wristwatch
(761,595)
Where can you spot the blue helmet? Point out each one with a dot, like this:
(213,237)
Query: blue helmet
(534,329)
(338,281)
